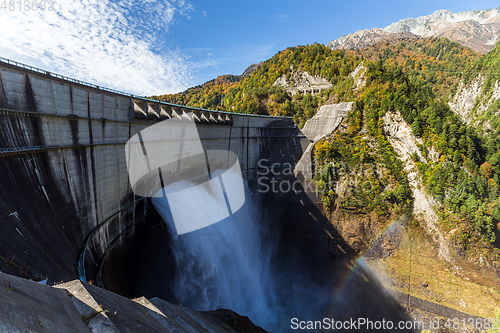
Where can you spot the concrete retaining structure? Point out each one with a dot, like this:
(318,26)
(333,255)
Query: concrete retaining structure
(324,123)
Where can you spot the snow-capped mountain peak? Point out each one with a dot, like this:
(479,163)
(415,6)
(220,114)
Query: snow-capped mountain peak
(477,29)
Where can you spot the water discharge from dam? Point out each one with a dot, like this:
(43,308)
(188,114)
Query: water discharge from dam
(224,265)
(228,264)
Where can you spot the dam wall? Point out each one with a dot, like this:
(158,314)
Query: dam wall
(65,185)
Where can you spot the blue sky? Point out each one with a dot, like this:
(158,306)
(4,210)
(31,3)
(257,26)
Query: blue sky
(153,47)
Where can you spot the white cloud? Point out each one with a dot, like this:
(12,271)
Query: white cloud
(107,43)
(281,17)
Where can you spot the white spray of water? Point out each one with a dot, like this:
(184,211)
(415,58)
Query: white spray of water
(227,265)
(224,265)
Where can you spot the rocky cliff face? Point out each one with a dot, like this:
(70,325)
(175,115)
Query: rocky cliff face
(365,38)
(250,69)
(302,81)
(358,75)
(478,29)
(470,102)
(361,230)
(463,101)
(403,141)
(324,123)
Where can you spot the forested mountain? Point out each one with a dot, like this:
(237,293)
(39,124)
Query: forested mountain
(463,176)
(210,94)
(418,77)
(436,62)
(207,96)
(256,93)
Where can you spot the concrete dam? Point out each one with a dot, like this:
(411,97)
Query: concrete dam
(65,192)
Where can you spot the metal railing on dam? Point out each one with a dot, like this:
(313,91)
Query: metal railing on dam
(65,181)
